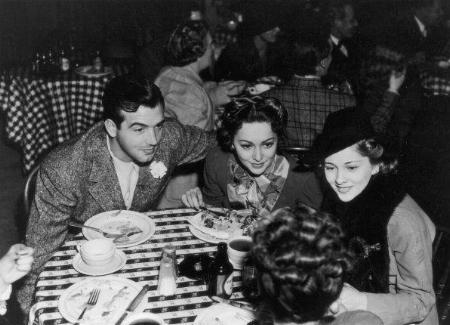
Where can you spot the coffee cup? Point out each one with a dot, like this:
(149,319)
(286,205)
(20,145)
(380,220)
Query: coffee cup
(97,252)
(143,319)
(238,250)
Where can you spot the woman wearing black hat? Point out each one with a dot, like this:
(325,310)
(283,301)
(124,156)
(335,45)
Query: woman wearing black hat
(390,235)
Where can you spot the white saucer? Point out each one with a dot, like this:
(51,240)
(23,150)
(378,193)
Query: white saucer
(116,264)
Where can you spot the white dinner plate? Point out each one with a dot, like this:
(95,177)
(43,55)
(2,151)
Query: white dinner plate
(123,222)
(89,71)
(115,295)
(212,235)
(224,314)
(204,236)
(118,262)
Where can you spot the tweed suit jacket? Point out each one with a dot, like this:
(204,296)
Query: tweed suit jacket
(308,103)
(78,180)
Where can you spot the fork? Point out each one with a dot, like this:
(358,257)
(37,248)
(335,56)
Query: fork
(218,212)
(93,297)
(106,234)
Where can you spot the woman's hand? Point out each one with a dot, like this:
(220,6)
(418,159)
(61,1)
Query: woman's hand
(16,263)
(222,93)
(193,198)
(396,80)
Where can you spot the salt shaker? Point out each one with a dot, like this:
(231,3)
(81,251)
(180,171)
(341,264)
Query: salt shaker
(169,250)
(167,277)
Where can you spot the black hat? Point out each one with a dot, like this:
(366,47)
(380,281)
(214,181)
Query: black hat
(342,129)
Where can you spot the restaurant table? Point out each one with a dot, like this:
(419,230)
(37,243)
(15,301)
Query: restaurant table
(142,266)
(42,111)
(436,81)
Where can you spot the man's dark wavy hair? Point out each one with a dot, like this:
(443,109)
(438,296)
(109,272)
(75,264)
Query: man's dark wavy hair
(127,94)
(301,261)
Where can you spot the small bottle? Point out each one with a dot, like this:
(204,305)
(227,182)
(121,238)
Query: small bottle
(167,283)
(97,63)
(220,274)
(37,63)
(64,61)
(170,251)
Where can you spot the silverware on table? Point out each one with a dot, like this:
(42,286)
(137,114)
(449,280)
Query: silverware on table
(239,304)
(134,303)
(93,298)
(106,234)
(216,211)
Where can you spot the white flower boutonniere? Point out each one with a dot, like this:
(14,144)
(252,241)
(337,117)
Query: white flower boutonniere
(158,169)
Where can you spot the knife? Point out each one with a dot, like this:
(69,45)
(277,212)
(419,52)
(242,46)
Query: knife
(234,303)
(134,303)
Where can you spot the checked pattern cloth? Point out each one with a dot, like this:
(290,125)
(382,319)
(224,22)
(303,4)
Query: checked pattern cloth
(308,103)
(142,266)
(436,84)
(42,112)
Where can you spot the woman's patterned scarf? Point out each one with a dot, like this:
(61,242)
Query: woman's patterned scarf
(258,193)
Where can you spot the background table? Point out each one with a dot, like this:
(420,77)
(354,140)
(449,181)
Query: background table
(142,266)
(43,111)
(436,82)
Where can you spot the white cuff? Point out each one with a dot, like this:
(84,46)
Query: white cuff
(3,297)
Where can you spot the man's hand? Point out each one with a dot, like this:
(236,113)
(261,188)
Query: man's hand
(349,299)
(193,198)
(16,263)
(396,80)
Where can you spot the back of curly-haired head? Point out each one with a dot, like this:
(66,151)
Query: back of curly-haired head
(301,262)
(248,110)
(187,43)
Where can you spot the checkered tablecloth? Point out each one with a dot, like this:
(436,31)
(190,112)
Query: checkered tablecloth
(142,266)
(42,112)
(436,85)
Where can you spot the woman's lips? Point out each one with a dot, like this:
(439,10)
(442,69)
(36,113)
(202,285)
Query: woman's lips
(343,190)
(257,165)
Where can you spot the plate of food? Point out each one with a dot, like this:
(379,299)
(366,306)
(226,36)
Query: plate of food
(115,294)
(137,226)
(91,71)
(224,314)
(215,226)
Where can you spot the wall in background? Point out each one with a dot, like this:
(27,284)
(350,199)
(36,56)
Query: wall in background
(27,26)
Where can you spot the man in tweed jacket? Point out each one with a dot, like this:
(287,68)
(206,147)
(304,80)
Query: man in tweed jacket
(124,162)
(306,100)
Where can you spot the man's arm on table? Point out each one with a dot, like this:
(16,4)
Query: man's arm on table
(47,225)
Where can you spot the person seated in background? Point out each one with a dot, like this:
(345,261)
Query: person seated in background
(14,265)
(417,32)
(345,53)
(187,98)
(388,232)
(254,55)
(122,162)
(301,264)
(247,172)
(391,111)
(307,101)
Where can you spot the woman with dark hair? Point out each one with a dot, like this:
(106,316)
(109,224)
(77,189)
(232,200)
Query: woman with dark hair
(301,262)
(388,232)
(247,172)
(189,99)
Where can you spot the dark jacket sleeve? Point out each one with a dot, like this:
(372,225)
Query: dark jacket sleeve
(215,179)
